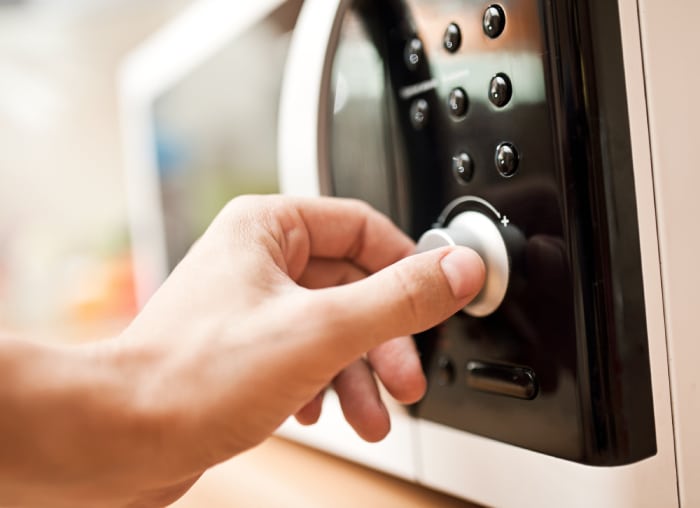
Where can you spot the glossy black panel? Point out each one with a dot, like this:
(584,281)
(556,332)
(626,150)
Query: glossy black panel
(568,346)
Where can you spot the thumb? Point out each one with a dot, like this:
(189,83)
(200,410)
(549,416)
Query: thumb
(407,297)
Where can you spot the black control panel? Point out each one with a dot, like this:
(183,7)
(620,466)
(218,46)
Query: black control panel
(517,110)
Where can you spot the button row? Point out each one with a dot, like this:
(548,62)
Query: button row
(506,160)
(493,23)
(500,93)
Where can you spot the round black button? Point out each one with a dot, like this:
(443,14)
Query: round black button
(452,39)
(507,159)
(500,90)
(494,21)
(458,103)
(446,371)
(413,54)
(463,167)
(419,113)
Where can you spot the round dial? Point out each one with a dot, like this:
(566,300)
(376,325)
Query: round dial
(477,231)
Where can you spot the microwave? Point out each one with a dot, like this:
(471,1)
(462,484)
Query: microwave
(566,126)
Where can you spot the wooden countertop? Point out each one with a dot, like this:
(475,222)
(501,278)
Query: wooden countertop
(281,473)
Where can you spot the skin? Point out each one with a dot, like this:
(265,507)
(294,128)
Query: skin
(280,298)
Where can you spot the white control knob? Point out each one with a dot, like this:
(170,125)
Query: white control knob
(476,231)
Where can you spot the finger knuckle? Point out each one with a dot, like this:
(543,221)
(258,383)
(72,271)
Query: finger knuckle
(411,307)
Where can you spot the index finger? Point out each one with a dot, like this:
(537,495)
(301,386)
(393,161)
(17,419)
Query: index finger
(349,229)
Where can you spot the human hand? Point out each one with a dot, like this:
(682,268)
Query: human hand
(280,298)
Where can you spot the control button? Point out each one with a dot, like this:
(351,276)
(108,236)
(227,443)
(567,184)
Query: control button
(494,21)
(507,159)
(452,39)
(413,54)
(446,371)
(419,113)
(500,90)
(519,382)
(458,103)
(477,231)
(463,168)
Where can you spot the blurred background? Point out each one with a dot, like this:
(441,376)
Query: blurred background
(65,250)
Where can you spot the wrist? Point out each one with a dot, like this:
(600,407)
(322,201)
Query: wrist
(155,383)
(135,398)
(76,423)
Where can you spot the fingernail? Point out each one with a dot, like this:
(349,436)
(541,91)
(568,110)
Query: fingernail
(464,271)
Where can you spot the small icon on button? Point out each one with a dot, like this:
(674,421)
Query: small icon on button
(494,21)
(452,38)
(413,54)
(419,113)
(507,159)
(458,103)
(463,168)
(500,90)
